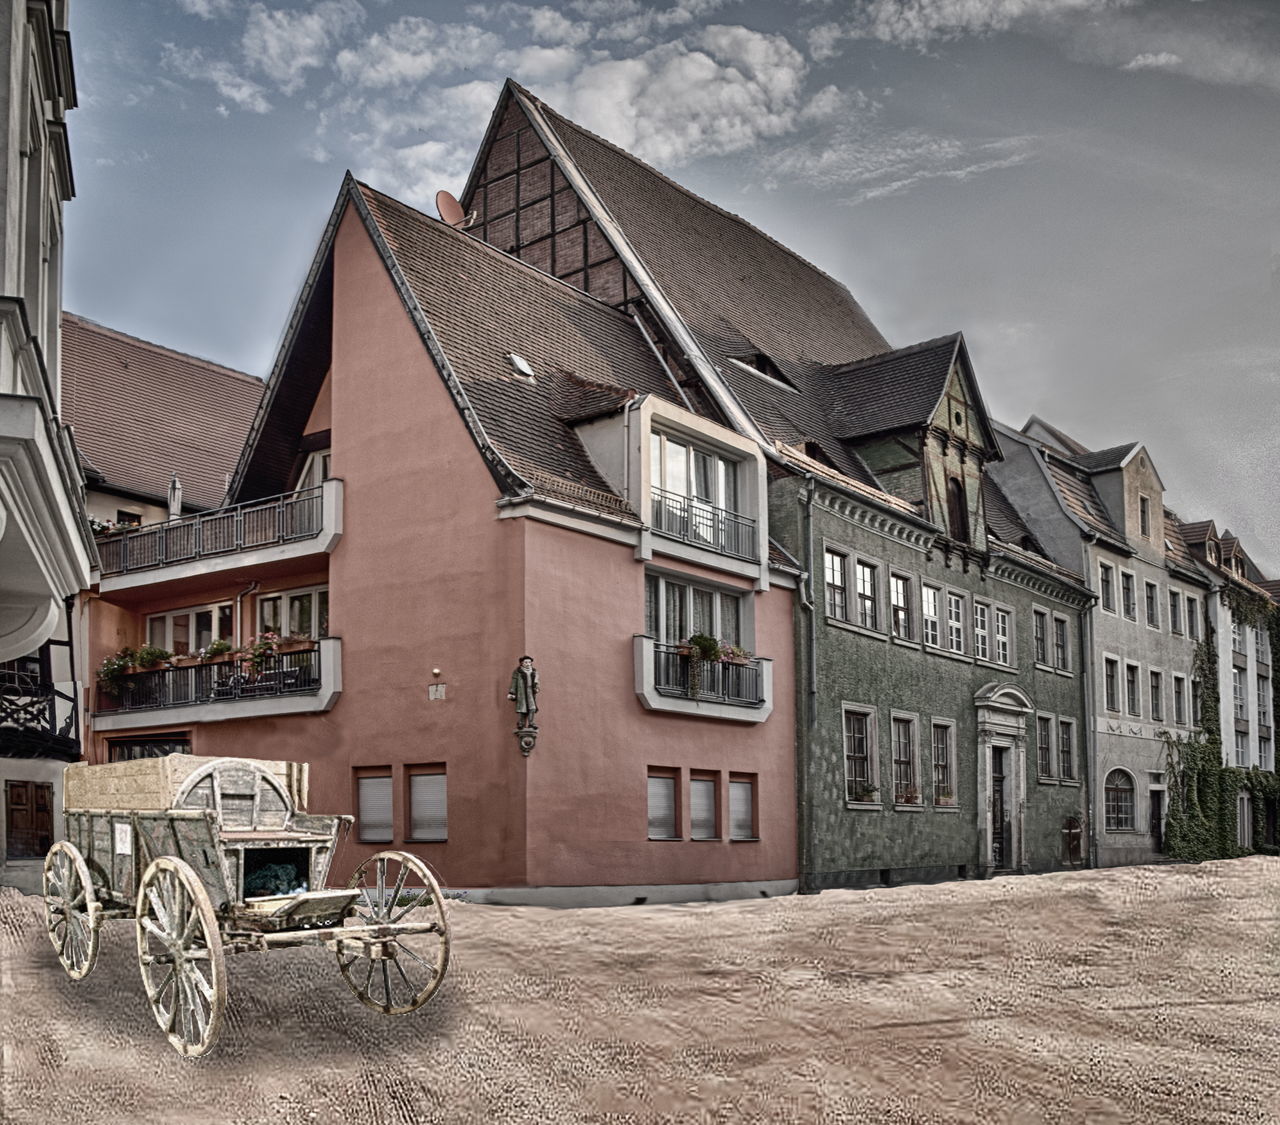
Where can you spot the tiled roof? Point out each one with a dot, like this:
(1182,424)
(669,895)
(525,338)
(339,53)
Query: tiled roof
(482,304)
(1197,532)
(1105,459)
(1176,549)
(893,390)
(1066,441)
(142,412)
(1003,520)
(1272,587)
(1080,496)
(734,286)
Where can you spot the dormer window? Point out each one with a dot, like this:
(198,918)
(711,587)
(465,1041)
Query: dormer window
(1211,549)
(1144,517)
(315,470)
(957,510)
(695,497)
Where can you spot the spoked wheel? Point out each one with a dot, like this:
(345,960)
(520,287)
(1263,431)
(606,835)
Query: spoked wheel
(180,954)
(397,973)
(72,913)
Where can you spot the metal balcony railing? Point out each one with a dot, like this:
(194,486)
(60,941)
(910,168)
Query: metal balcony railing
(704,525)
(241,527)
(677,673)
(284,673)
(36,709)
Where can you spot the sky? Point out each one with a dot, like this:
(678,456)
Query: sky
(1088,189)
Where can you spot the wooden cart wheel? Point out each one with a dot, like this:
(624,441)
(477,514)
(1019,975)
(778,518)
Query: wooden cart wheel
(72,913)
(400,973)
(180,954)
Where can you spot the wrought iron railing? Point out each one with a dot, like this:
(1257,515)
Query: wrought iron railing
(35,706)
(704,525)
(284,673)
(241,527)
(677,672)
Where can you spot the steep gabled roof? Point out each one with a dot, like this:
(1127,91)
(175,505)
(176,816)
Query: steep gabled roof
(1104,460)
(1199,531)
(1003,520)
(893,390)
(143,412)
(1079,495)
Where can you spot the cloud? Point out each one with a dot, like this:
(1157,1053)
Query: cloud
(539,65)
(206,9)
(283,44)
(555,29)
(413,49)
(190,63)
(414,173)
(638,23)
(1164,60)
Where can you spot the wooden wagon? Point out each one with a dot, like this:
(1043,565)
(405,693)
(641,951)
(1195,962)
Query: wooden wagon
(212,856)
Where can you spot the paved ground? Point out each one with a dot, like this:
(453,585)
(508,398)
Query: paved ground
(1136,995)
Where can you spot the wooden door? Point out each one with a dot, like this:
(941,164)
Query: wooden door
(28,819)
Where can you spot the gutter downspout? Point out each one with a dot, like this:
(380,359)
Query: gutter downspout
(809,718)
(1089,664)
(249,589)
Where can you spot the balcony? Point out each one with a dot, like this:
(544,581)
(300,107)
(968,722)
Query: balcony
(293,525)
(287,683)
(701,524)
(37,719)
(668,679)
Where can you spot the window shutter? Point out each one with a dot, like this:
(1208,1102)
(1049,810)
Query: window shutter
(702,809)
(662,808)
(375,810)
(428,818)
(740,802)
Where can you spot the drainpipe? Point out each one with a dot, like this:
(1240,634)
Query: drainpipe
(249,589)
(810,718)
(1091,719)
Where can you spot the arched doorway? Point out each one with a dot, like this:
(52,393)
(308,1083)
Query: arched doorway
(1001,709)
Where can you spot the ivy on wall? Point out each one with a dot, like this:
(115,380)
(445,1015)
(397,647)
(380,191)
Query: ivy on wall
(1202,818)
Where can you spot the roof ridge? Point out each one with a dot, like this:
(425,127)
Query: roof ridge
(880,357)
(560,117)
(214,365)
(582,295)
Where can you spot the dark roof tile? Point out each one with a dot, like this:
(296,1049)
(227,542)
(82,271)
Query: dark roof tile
(1105,459)
(893,390)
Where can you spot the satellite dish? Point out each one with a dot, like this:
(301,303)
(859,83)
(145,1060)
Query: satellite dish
(450,209)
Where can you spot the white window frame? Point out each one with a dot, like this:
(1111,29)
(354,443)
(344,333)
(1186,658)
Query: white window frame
(170,615)
(1151,599)
(981,630)
(867,594)
(931,623)
(1066,746)
(316,469)
(836,566)
(1239,695)
(1133,689)
(285,598)
(1003,634)
(1107,583)
(1242,748)
(951,766)
(912,722)
(1040,637)
(1263,701)
(1112,814)
(1129,595)
(901,622)
(1180,701)
(692,585)
(955,622)
(872,780)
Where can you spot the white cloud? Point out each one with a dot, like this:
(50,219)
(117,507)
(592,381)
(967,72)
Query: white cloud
(206,9)
(555,29)
(191,63)
(414,173)
(414,48)
(221,110)
(539,65)
(285,43)
(636,23)
(1163,60)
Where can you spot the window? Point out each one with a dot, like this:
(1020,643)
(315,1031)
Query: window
(859,756)
(1242,748)
(662,806)
(955,622)
(1264,701)
(900,605)
(1111,676)
(374,808)
(1003,636)
(1244,820)
(837,586)
(695,496)
(1041,630)
(187,630)
(1237,638)
(428,804)
(1132,703)
(315,470)
(1157,696)
(1044,745)
(1119,802)
(128,519)
(1153,605)
(929,614)
(1175,612)
(943,788)
(905,790)
(131,749)
(742,809)
(1061,650)
(866,595)
(1193,617)
(676,611)
(1128,596)
(1195,702)
(981,630)
(1264,754)
(1180,701)
(1066,749)
(1107,586)
(702,809)
(1261,647)
(957,510)
(1239,695)
(300,613)
(1144,517)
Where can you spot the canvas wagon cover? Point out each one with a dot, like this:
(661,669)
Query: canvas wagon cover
(152,784)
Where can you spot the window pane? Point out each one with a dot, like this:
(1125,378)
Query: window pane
(182,632)
(730,626)
(677,622)
(375,810)
(677,468)
(300,614)
(224,623)
(704,482)
(702,809)
(156,632)
(269,615)
(704,612)
(651,605)
(741,825)
(728,484)
(322,613)
(662,808)
(204,627)
(427,807)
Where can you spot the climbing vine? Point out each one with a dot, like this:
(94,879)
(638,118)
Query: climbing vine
(1203,808)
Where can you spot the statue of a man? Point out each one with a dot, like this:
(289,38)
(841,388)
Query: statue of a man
(524,690)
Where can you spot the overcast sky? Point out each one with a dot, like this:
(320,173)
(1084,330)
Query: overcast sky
(1086,188)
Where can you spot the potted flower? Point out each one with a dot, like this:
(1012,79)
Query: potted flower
(184,659)
(864,792)
(261,649)
(702,647)
(112,670)
(732,654)
(943,795)
(908,796)
(150,656)
(217,652)
(295,642)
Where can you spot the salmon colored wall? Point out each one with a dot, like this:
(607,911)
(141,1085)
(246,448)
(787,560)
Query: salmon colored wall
(588,793)
(322,412)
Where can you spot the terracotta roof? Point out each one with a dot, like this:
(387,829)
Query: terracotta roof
(1176,549)
(895,389)
(1105,459)
(483,305)
(737,289)
(142,412)
(1197,532)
